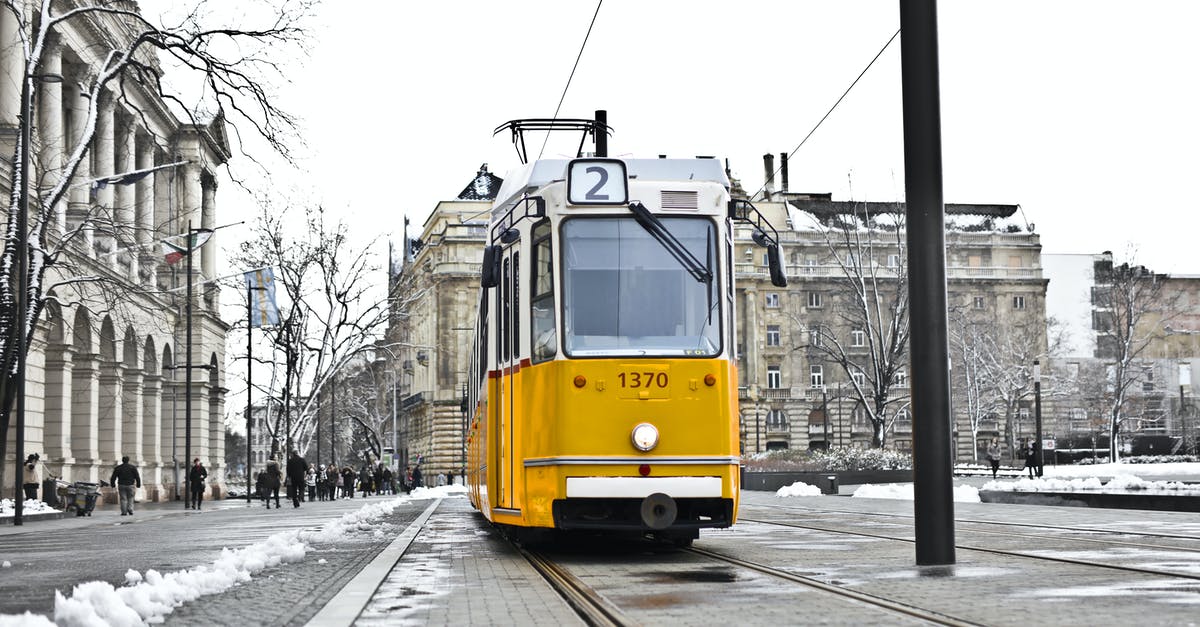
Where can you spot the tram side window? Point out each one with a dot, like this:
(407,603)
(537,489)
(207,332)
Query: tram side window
(505,312)
(483,337)
(515,321)
(541,303)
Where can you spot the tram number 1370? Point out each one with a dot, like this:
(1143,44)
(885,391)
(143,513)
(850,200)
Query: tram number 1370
(634,379)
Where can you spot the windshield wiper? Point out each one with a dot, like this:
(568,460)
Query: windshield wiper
(659,232)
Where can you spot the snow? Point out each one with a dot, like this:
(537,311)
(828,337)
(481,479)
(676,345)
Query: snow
(30,506)
(1118,483)
(1175,469)
(798,489)
(149,597)
(904,492)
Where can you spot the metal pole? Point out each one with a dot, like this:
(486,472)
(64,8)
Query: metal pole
(395,440)
(187,364)
(22,295)
(933,502)
(825,415)
(332,421)
(1037,414)
(601,133)
(249,380)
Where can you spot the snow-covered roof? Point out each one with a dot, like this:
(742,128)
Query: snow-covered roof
(484,186)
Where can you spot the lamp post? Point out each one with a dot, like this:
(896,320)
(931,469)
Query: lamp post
(1185,377)
(22,300)
(1037,415)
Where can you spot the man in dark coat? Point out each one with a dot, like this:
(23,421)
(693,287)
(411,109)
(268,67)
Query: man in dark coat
(296,468)
(126,478)
(196,484)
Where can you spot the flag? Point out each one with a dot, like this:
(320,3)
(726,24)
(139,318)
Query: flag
(176,248)
(260,287)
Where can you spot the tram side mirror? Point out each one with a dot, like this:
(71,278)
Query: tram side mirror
(778,279)
(490,271)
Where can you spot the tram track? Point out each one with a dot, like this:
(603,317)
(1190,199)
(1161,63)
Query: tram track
(591,607)
(1003,552)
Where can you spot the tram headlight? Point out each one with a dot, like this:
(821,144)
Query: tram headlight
(645,436)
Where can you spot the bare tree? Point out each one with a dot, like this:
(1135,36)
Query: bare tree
(235,64)
(1131,307)
(867,336)
(970,342)
(330,320)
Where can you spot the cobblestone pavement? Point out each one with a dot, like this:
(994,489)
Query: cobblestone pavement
(56,555)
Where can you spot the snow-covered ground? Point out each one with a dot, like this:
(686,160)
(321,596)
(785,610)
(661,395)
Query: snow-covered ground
(149,597)
(31,506)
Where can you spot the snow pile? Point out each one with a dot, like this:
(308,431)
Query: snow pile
(1119,483)
(149,597)
(28,619)
(798,489)
(31,506)
(904,492)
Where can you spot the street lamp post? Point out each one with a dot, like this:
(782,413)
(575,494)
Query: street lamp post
(22,300)
(1185,376)
(1037,415)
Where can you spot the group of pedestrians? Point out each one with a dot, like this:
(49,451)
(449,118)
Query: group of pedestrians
(305,481)
(1028,453)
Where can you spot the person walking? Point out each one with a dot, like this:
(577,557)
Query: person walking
(196,484)
(1030,458)
(296,467)
(310,481)
(388,486)
(30,478)
(364,480)
(418,482)
(271,482)
(348,482)
(125,476)
(993,456)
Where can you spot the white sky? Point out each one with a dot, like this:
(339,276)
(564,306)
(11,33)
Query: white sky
(1083,112)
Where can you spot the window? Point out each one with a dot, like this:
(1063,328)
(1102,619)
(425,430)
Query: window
(541,305)
(901,378)
(810,265)
(859,378)
(977,302)
(614,273)
(772,335)
(814,299)
(1014,261)
(776,419)
(893,261)
(814,337)
(773,300)
(858,337)
(774,377)
(1018,302)
(816,376)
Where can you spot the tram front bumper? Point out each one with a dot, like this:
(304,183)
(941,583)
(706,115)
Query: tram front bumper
(630,513)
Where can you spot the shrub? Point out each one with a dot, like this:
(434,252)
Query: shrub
(833,460)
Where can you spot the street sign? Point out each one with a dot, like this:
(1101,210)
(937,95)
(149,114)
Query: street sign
(1048,444)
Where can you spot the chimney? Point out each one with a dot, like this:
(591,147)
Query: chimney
(769,167)
(783,175)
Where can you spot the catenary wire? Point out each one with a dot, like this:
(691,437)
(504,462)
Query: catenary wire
(568,85)
(830,111)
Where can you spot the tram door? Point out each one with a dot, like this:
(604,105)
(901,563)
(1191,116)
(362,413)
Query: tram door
(508,343)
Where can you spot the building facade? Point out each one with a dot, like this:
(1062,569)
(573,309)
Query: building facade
(107,371)
(434,299)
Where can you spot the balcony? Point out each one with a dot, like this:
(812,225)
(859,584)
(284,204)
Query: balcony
(775,394)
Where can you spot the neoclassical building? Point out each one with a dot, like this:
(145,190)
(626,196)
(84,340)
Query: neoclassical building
(106,373)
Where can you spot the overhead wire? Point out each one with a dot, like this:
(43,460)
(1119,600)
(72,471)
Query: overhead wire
(830,111)
(568,85)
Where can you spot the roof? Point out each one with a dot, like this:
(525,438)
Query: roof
(484,186)
(825,208)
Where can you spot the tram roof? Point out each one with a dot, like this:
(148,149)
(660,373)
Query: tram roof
(534,175)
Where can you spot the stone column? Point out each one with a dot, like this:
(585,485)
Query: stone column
(12,68)
(216,423)
(85,429)
(166,182)
(79,197)
(51,140)
(171,431)
(123,195)
(132,432)
(110,414)
(208,253)
(151,453)
(144,213)
(58,408)
(102,162)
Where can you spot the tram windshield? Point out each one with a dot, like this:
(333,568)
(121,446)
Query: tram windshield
(624,294)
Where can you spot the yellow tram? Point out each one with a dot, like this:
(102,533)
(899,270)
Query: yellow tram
(603,386)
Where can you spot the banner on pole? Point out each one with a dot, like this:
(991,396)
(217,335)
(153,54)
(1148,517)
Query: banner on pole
(180,246)
(260,286)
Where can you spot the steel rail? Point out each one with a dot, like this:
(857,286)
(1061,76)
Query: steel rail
(594,609)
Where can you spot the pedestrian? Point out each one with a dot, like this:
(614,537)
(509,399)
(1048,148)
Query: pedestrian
(388,486)
(364,480)
(408,479)
(260,485)
(993,456)
(338,490)
(377,479)
(1030,458)
(125,476)
(310,481)
(271,483)
(196,483)
(31,479)
(296,467)
(417,481)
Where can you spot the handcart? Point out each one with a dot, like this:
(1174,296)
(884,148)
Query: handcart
(81,497)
